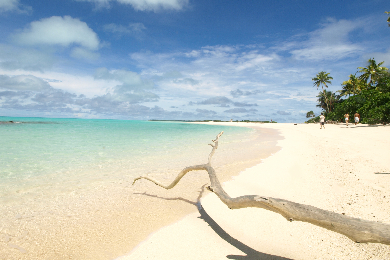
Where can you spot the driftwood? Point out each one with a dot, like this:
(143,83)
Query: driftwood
(358,230)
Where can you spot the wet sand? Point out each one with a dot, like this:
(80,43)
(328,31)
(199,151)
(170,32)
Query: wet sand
(111,219)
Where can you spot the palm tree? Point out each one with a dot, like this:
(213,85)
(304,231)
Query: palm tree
(347,88)
(327,100)
(351,86)
(322,79)
(372,72)
(322,101)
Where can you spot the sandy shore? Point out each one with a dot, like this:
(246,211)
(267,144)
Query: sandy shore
(107,219)
(342,169)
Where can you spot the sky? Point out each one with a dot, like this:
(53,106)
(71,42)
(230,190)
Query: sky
(182,59)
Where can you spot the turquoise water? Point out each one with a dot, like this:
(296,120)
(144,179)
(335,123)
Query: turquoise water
(39,154)
(66,184)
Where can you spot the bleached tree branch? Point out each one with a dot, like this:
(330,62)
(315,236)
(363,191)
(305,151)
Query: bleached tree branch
(358,230)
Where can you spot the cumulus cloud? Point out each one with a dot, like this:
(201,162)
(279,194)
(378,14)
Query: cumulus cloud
(239,93)
(8,5)
(129,80)
(223,102)
(98,3)
(216,101)
(156,5)
(176,78)
(46,99)
(145,5)
(82,53)
(124,99)
(173,74)
(13,5)
(23,82)
(205,113)
(379,56)
(55,98)
(132,87)
(131,29)
(331,42)
(231,75)
(254,59)
(15,58)
(241,104)
(188,81)
(283,113)
(239,110)
(59,31)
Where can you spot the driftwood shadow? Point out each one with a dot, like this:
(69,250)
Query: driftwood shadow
(356,229)
(251,254)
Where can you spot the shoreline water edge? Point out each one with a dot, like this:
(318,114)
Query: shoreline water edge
(112,218)
(341,169)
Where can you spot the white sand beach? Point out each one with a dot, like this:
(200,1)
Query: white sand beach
(106,219)
(341,169)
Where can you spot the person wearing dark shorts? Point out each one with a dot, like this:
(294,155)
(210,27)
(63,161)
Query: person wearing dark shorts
(322,121)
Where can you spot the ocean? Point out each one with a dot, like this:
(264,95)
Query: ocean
(54,155)
(66,184)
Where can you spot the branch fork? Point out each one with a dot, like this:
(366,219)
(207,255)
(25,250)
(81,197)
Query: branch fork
(358,230)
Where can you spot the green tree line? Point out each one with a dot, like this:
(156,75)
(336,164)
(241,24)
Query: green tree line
(366,92)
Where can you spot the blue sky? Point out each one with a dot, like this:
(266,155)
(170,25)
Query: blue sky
(182,59)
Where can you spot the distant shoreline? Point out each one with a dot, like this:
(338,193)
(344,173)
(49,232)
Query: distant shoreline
(213,121)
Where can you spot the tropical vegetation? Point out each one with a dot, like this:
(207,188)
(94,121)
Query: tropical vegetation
(310,114)
(388,19)
(367,93)
(322,80)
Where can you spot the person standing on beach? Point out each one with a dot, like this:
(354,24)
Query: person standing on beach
(357,118)
(322,121)
(346,116)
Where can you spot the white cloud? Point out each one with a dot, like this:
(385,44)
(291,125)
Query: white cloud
(8,5)
(72,83)
(283,113)
(254,76)
(379,57)
(144,5)
(13,5)
(130,88)
(155,5)
(326,52)
(63,31)
(23,82)
(99,3)
(236,110)
(132,29)
(239,93)
(82,53)
(127,79)
(205,112)
(216,101)
(331,42)
(17,58)
(254,59)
